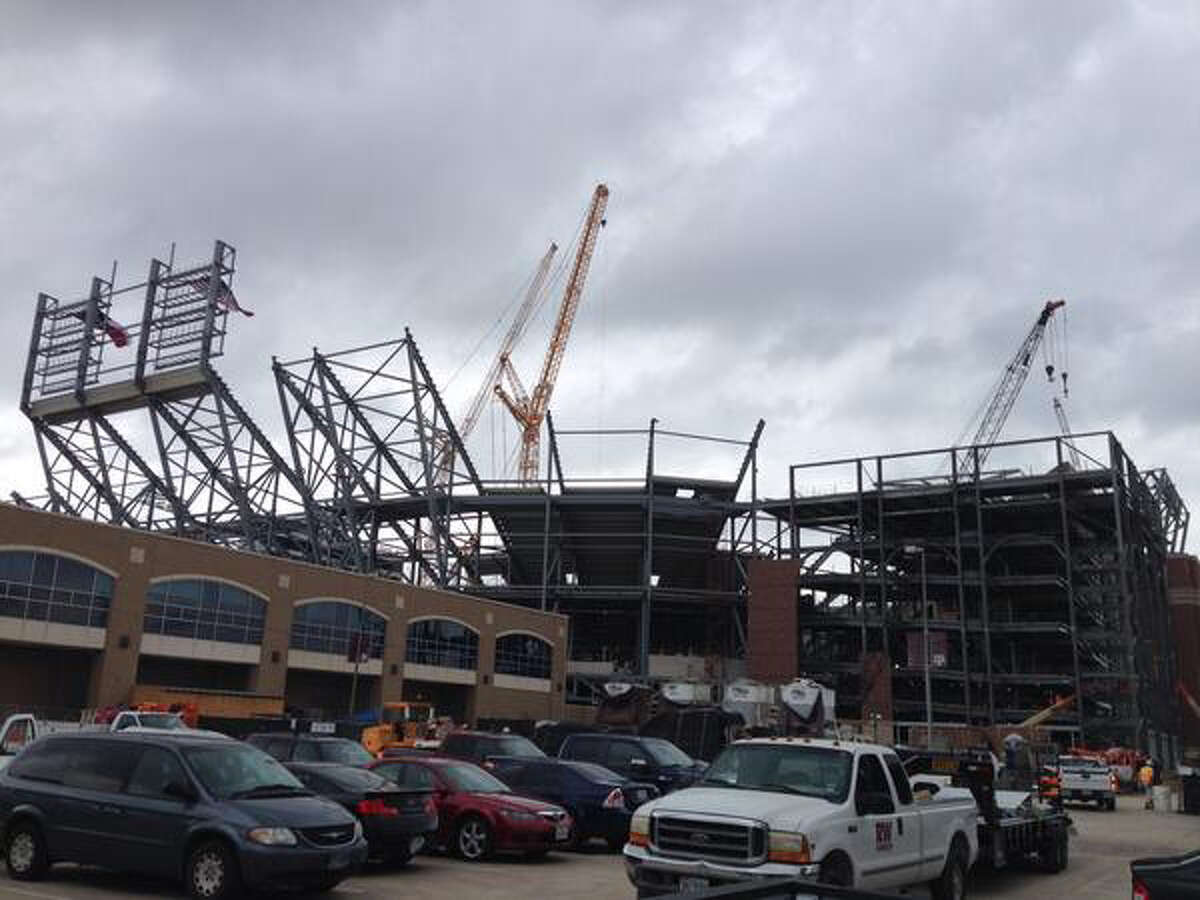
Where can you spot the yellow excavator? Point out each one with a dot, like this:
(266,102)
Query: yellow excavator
(404,724)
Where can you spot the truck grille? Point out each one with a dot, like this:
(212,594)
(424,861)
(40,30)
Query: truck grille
(738,842)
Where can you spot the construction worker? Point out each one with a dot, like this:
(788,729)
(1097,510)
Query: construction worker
(1145,776)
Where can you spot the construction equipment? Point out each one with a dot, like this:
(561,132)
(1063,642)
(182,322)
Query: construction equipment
(1004,394)
(530,410)
(1064,426)
(404,724)
(487,390)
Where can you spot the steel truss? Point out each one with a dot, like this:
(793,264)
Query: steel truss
(369,435)
(1043,580)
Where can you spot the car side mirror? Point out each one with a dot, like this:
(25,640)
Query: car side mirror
(874,804)
(181,790)
(929,787)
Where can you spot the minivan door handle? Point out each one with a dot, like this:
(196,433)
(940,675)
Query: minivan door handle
(111,810)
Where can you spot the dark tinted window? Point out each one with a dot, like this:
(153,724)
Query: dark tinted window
(442,642)
(523,654)
(42,762)
(345,752)
(357,780)
(100,765)
(621,753)
(154,771)
(871,779)
(586,749)
(315,782)
(306,751)
(280,748)
(460,744)
(591,772)
(44,587)
(513,745)
(331,626)
(409,775)
(899,778)
(207,610)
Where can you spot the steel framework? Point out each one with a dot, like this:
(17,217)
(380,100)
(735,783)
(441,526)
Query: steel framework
(1044,580)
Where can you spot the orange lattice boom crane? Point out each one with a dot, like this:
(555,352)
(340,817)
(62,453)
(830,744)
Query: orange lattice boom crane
(533,298)
(530,410)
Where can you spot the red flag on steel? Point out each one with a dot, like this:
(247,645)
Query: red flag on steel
(224,298)
(115,330)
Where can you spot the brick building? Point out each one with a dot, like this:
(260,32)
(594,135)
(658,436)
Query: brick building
(89,610)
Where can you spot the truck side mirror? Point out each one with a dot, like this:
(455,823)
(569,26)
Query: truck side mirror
(874,804)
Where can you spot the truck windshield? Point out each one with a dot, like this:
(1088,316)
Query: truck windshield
(787,768)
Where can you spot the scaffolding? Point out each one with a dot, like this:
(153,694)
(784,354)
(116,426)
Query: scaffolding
(1036,579)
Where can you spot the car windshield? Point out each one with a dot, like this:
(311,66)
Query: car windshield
(811,771)
(517,746)
(232,771)
(594,772)
(161,720)
(345,752)
(466,777)
(665,753)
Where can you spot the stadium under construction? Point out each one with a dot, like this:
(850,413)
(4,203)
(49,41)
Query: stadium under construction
(1036,569)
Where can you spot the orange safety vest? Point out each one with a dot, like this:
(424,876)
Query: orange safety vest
(1146,776)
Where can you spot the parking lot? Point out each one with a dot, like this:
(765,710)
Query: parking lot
(1099,868)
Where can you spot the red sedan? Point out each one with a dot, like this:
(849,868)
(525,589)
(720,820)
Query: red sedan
(477,813)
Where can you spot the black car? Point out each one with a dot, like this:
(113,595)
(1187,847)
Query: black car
(480,747)
(288,747)
(600,801)
(397,821)
(1166,877)
(212,812)
(650,759)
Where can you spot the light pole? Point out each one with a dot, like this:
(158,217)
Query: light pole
(925,646)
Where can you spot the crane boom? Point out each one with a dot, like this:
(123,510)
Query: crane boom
(515,331)
(1064,426)
(531,412)
(533,297)
(1005,395)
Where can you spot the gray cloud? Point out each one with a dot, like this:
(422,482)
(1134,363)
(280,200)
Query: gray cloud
(841,218)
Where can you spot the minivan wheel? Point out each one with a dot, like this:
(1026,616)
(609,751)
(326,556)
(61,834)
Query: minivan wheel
(25,852)
(212,872)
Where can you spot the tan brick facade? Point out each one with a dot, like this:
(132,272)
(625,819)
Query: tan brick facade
(136,559)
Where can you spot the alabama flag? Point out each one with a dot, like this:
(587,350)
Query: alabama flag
(115,330)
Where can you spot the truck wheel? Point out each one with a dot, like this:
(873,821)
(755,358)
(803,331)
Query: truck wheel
(1055,852)
(25,852)
(952,883)
(836,871)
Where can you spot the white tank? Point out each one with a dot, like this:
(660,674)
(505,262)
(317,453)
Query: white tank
(752,700)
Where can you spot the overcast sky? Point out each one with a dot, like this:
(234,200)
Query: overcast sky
(840,217)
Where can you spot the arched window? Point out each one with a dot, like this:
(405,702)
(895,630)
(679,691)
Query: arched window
(330,626)
(442,642)
(523,654)
(50,588)
(204,610)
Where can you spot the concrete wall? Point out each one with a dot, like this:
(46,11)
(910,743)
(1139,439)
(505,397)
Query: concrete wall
(136,559)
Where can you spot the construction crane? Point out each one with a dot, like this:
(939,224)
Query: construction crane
(1004,395)
(533,298)
(530,410)
(1064,426)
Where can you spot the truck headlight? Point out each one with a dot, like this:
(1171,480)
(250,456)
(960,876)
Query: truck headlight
(639,830)
(788,847)
(273,837)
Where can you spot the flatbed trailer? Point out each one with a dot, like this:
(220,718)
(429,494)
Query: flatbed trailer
(1014,825)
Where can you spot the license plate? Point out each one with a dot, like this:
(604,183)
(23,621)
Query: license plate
(689,884)
(562,831)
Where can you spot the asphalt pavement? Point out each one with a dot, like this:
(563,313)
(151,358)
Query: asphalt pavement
(1101,849)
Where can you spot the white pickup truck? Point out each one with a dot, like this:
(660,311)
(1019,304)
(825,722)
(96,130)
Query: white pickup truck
(1083,780)
(840,813)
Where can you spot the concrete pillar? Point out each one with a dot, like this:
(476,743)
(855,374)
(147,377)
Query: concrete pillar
(115,671)
(270,675)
